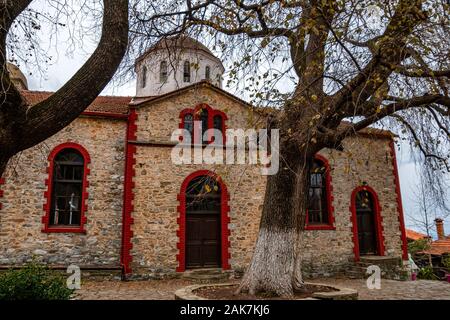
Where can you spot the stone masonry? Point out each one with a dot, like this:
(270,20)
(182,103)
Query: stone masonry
(157,181)
(21,237)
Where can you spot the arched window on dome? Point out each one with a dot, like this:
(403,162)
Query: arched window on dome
(208,73)
(163,71)
(144,77)
(187,72)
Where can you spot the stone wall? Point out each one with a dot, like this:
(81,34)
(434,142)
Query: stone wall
(155,209)
(157,184)
(157,120)
(158,181)
(326,252)
(20,218)
(365,160)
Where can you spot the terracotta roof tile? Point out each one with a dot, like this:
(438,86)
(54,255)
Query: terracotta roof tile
(414,235)
(102,104)
(439,247)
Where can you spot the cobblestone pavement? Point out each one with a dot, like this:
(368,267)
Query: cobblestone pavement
(130,290)
(396,290)
(164,289)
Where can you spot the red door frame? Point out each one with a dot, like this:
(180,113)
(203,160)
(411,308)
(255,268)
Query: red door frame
(377,217)
(224,220)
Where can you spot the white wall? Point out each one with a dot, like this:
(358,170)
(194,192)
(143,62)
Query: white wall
(175,61)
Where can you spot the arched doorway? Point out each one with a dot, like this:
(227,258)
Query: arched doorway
(203,222)
(366,218)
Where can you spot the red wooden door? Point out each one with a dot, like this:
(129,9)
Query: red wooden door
(203,208)
(365,215)
(203,241)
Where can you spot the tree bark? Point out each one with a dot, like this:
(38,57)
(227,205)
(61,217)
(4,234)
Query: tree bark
(276,263)
(23,126)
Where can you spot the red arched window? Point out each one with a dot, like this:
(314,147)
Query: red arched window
(66,194)
(209,119)
(319,215)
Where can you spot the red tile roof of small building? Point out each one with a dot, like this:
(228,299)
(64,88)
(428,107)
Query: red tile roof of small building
(439,247)
(414,235)
(102,104)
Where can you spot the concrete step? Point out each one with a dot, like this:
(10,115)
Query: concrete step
(209,274)
(380,261)
(209,277)
(205,271)
(354,274)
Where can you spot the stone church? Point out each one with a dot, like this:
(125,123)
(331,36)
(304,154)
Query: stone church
(104,194)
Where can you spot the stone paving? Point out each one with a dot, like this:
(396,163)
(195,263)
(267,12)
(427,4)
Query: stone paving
(164,289)
(396,290)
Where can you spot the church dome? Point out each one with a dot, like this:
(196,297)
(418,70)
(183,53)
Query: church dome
(174,63)
(17,76)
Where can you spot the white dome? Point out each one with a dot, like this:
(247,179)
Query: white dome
(175,63)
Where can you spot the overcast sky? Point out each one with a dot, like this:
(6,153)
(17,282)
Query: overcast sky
(64,65)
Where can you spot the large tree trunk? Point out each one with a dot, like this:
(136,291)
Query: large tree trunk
(275,265)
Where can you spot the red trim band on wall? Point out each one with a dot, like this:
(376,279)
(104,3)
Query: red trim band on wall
(128,194)
(224,220)
(377,217)
(330,198)
(49,183)
(2,182)
(399,202)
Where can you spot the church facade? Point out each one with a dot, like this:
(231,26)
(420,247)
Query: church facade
(104,193)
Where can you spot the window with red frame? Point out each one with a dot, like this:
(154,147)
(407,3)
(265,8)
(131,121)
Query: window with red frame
(204,119)
(208,118)
(188,121)
(67,189)
(318,206)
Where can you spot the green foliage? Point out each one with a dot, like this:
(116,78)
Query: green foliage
(418,245)
(33,282)
(446,262)
(427,273)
